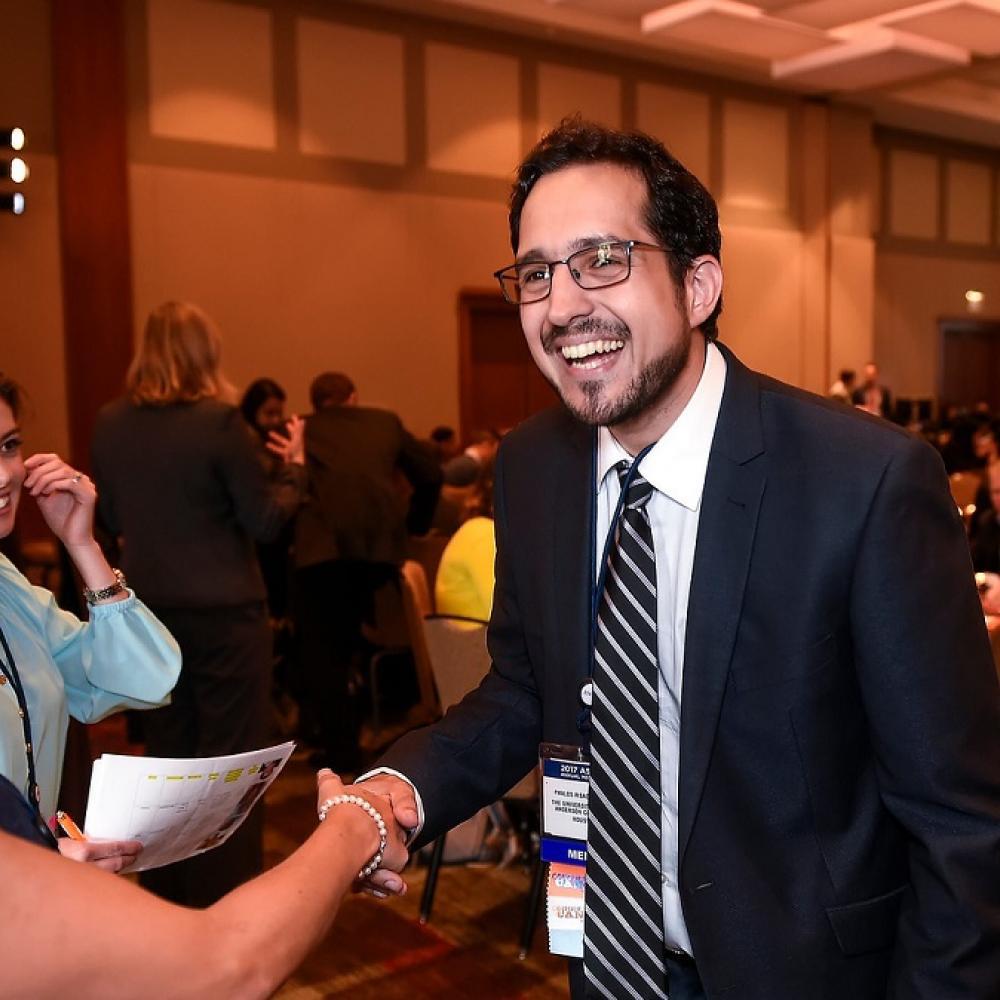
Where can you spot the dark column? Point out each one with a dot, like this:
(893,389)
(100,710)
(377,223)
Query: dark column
(90,107)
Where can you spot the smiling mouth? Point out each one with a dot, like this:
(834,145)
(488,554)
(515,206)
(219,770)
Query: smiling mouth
(590,354)
(4,501)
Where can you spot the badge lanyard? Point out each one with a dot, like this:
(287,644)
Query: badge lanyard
(583,718)
(9,670)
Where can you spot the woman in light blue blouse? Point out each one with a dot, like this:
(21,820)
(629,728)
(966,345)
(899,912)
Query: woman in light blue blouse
(52,665)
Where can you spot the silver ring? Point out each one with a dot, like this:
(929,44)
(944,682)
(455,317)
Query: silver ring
(78,477)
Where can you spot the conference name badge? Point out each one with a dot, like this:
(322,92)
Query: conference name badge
(565,787)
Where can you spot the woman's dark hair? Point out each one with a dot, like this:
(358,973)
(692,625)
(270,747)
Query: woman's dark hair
(12,394)
(679,210)
(257,394)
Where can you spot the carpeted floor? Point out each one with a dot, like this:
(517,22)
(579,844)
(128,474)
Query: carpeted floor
(378,949)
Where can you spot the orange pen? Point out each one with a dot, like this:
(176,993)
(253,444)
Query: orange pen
(68,826)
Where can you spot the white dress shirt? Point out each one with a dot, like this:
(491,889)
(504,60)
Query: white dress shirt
(676,467)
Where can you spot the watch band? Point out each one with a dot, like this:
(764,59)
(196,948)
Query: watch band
(96,596)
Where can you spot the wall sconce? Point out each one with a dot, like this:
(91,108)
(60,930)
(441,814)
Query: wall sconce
(12,138)
(974,300)
(14,169)
(13,203)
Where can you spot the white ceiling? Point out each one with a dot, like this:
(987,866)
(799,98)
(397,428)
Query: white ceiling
(933,66)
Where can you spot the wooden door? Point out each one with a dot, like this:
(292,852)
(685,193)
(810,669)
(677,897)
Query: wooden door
(499,383)
(970,363)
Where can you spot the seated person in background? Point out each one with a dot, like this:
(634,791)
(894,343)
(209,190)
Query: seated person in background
(985,540)
(444,443)
(465,469)
(841,389)
(117,941)
(52,665)
(464,583)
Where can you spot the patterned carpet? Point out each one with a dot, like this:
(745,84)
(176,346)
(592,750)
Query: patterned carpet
(377,949)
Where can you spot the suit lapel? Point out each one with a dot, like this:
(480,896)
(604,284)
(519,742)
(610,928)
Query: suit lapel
(734,487)
(572,569)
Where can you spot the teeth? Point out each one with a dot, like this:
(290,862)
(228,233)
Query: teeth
(4,502)
(574,352)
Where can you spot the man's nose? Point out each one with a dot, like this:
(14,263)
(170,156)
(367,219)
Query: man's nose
(567,300)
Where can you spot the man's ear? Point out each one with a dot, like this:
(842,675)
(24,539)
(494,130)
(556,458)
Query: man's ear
(703,286)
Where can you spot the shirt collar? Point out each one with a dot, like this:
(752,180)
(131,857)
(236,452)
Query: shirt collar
(677,463)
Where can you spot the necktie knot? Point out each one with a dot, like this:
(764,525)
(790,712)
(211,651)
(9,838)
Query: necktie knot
(639,490)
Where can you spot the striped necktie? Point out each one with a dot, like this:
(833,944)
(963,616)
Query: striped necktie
(623,929)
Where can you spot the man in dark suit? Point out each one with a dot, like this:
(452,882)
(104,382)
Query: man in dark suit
(350,539)
(824,713)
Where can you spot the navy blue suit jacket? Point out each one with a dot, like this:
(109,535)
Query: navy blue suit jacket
(839,800)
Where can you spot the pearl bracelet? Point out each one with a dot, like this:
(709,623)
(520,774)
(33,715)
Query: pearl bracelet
(362,803)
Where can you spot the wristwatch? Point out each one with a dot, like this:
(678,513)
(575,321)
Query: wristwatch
(96,596)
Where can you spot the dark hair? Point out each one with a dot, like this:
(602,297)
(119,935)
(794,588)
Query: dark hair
(257,394)
(330,389)
(847,375)
(12,394)
(679,210)
(442,433)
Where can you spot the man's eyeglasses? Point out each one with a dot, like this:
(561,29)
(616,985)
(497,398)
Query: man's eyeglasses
(598,266)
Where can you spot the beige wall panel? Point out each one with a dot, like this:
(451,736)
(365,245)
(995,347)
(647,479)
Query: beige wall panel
(967,187)
(210,73)
(680,119)
(755,156)
(473,102)
(31,323)
(264,257)
(762,319)
(913,194)
(912,293)
(351,92)
(854,177)
(565,91)
(852,303)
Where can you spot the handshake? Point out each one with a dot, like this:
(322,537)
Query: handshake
(396,802)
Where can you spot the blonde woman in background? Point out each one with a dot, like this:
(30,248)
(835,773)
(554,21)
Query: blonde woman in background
(183,488)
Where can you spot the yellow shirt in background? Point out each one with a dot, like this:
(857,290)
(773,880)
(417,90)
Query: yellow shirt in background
(464,584)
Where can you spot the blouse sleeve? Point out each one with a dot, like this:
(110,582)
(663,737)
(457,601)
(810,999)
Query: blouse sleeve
(122,658)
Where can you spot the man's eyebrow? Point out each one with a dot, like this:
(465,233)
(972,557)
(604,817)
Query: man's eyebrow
(580,243)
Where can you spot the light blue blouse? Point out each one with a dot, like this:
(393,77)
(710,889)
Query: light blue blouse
(122,658)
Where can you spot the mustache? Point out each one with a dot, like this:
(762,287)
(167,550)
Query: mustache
(590,326)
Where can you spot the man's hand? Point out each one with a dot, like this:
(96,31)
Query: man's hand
(111,855)
(403,803)
(386,880)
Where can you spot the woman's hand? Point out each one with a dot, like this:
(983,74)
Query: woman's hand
(65,497)
(290,448)
(386,881)
(111,855)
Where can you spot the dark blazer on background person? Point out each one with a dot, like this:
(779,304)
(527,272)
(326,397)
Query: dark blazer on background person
(186,483)
(839,799)
(355,510)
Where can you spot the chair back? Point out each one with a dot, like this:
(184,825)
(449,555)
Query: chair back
(964,487)
(416,605)
(458,655)
(427,550)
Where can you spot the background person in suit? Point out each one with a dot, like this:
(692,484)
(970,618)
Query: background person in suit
(350,538)
(827,814)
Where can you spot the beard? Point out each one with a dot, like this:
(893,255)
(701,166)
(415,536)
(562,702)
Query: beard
(645,389)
